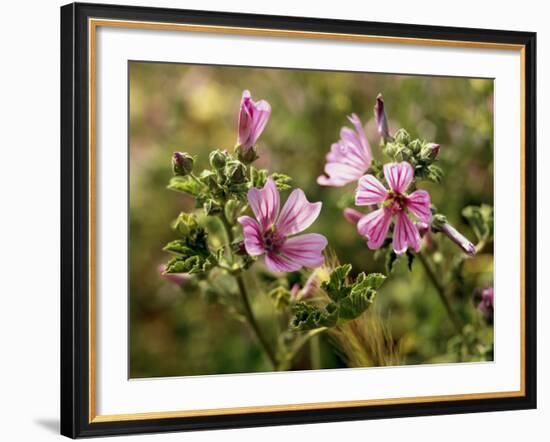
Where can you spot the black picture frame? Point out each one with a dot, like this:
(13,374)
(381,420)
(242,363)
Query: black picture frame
(75,219)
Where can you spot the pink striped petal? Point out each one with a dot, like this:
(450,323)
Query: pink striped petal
(265,203)
(261,116)
(305,250)
(297,214)
(253,242)
(375,227)
(418,203)
(398,175)
(280,263)
(245,120)
(370,191)
(405,234)
(364,143)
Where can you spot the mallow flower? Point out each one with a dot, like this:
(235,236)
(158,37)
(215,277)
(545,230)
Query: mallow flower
(253,117)
(349,158)
(394,203)
(271,233)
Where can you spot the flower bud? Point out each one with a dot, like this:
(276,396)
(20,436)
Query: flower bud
(211,208)
(381,118)
(434,149)
(253,116)
(430,151)
(484,298)
(180,279)
(235,171)
(352,215)
(248,155)
(182,163)
(186,224)
(440,223)
(402,137)
(217,159)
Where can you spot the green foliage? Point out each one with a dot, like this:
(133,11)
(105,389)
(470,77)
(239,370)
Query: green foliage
(480,219)
(185,184)
(347,300)
(280,297)
(191,251)
(258,177)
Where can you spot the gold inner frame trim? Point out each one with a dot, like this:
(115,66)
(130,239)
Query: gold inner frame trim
(93,24)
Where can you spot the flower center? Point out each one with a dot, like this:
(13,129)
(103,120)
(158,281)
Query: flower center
(396,202)
(272,240)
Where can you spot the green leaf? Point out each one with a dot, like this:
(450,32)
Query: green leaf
(375,280)
(258,177)
(178,247)
(435,173)
(356,303)
(185,184)
(481,219)
(190,265)
(280,297)
(348,300)
(335,286)
(282,181)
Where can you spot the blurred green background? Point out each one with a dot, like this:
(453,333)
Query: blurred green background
(195,109)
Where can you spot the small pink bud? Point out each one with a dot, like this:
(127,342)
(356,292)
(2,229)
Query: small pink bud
(434,147)
(381,118)
(352,215)
(485,299)
(180,279)
(459,239)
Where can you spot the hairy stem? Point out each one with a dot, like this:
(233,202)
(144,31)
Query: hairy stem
(252,321)
(249,314)
(315,352)
(441,292)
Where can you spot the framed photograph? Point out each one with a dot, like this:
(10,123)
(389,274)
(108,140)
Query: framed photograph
(280,220)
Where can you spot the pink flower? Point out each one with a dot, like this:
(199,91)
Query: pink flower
(271,232)
(394,204)
(349,158)
(253,117)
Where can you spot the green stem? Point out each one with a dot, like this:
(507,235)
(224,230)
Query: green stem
(252,321)
(315,352)
(249,314)
(441,292)
(298,346)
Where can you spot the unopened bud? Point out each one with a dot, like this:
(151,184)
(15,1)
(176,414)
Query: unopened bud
(235,171)
(402,137)
(217,159)
(247,156)
(484,298)
(381,118)
(440,224)
(352,215)
(182,163)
